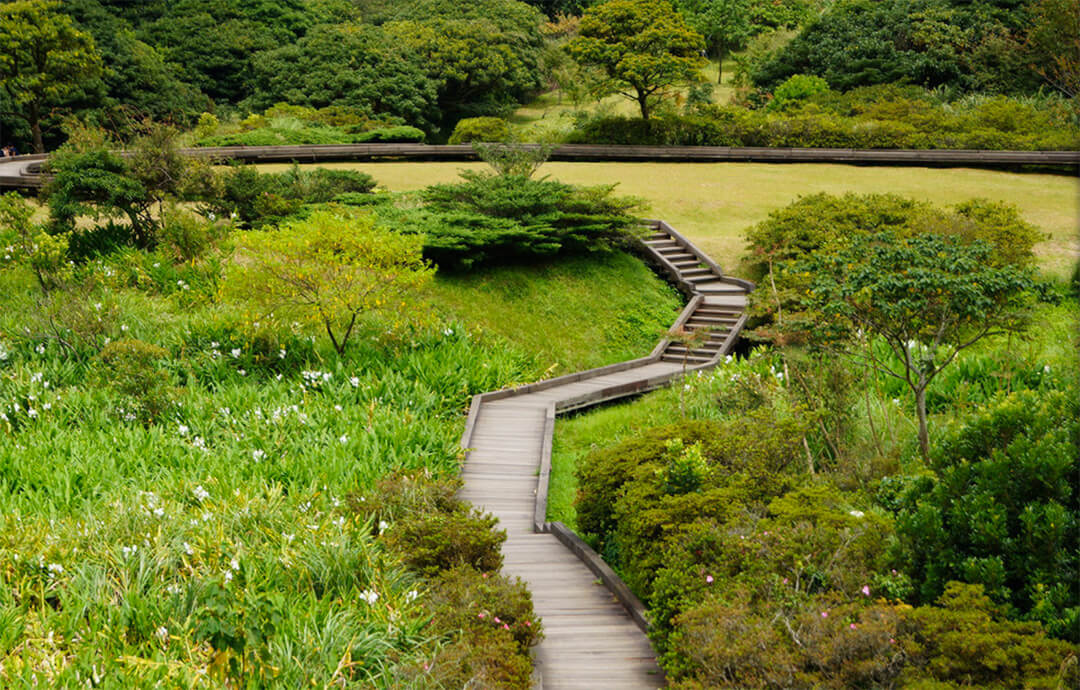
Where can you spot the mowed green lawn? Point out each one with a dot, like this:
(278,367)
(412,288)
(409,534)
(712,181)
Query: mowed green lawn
(714,203)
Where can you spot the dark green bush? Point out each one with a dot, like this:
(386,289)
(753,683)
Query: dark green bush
(1003,511)
(386,135)
(492,218)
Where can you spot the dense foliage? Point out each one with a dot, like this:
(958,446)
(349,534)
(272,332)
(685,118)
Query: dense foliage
(883,117)
(965,46)
(758,573)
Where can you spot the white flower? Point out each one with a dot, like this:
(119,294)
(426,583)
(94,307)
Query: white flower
(337,408)
(235,352)
(55,569)
(856,513)
(370,596)
(123,327)
(31,412)
(383,525)
(183,430)
(211,216)
(281,353)
(162,634)
(344,439)
(1046,369)
(411,595)
(215,344)
(234,564)
(126,551)
(355,381)
(242,372)
(228,576)
(200,493)
(188,550)
(40,349)
(258,455)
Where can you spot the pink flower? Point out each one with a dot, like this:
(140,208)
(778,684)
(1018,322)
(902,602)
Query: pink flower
(892,641)
(853,626)
(528,624)
(505,626)
(497,619)
(785,580)
(824,614)
(708,579)
(479,615)
(866,590)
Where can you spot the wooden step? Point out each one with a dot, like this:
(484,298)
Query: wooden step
(673,249)
(661,244)
(722,289)
(680,350)
(679,359)
(680,262)
(697,273)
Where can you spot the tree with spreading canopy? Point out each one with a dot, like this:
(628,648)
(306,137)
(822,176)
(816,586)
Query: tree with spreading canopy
(44,59)
(643,47)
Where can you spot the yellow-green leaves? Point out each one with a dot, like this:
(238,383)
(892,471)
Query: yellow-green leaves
(330,270)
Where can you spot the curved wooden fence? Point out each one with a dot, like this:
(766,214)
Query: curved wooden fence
(594,637)
(25,171)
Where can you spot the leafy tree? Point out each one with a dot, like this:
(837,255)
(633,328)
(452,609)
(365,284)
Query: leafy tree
(927,298)
(725,24)
(1053,43)
(331,271)
(644,47)
(348,65)
(90,178)
(482,55)
(43,60)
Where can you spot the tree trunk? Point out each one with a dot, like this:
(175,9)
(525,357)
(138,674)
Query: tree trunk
(35,129)
(643,103)
(920,411)
(719,63)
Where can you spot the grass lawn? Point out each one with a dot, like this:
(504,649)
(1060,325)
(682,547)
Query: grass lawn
(714,203)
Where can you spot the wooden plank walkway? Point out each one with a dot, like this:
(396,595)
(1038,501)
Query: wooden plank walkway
(591,638)
(15,174)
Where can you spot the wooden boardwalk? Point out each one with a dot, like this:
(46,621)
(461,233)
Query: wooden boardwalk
(24,172)
(592,639)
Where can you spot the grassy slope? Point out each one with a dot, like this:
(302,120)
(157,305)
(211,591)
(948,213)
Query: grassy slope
(714,203)
(572,314)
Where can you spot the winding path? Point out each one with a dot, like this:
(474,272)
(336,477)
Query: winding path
(594,635)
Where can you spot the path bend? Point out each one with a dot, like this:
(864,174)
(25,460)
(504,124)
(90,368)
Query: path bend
(594,634)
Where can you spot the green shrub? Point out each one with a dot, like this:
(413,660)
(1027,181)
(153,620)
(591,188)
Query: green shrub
(442,541)
(471,600)
(501,218)
(965,640)
(135,370)
(386,135)
(258,199)
(798,87)
(1003,511)
(473,129)
(187,236)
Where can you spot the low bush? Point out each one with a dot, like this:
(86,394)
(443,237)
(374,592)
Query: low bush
(505,218)
(261,198)
(473,129)
(430,543)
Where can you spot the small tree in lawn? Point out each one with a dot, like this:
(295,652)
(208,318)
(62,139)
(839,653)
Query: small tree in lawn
(331,271)
(926,297)
(643,47)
